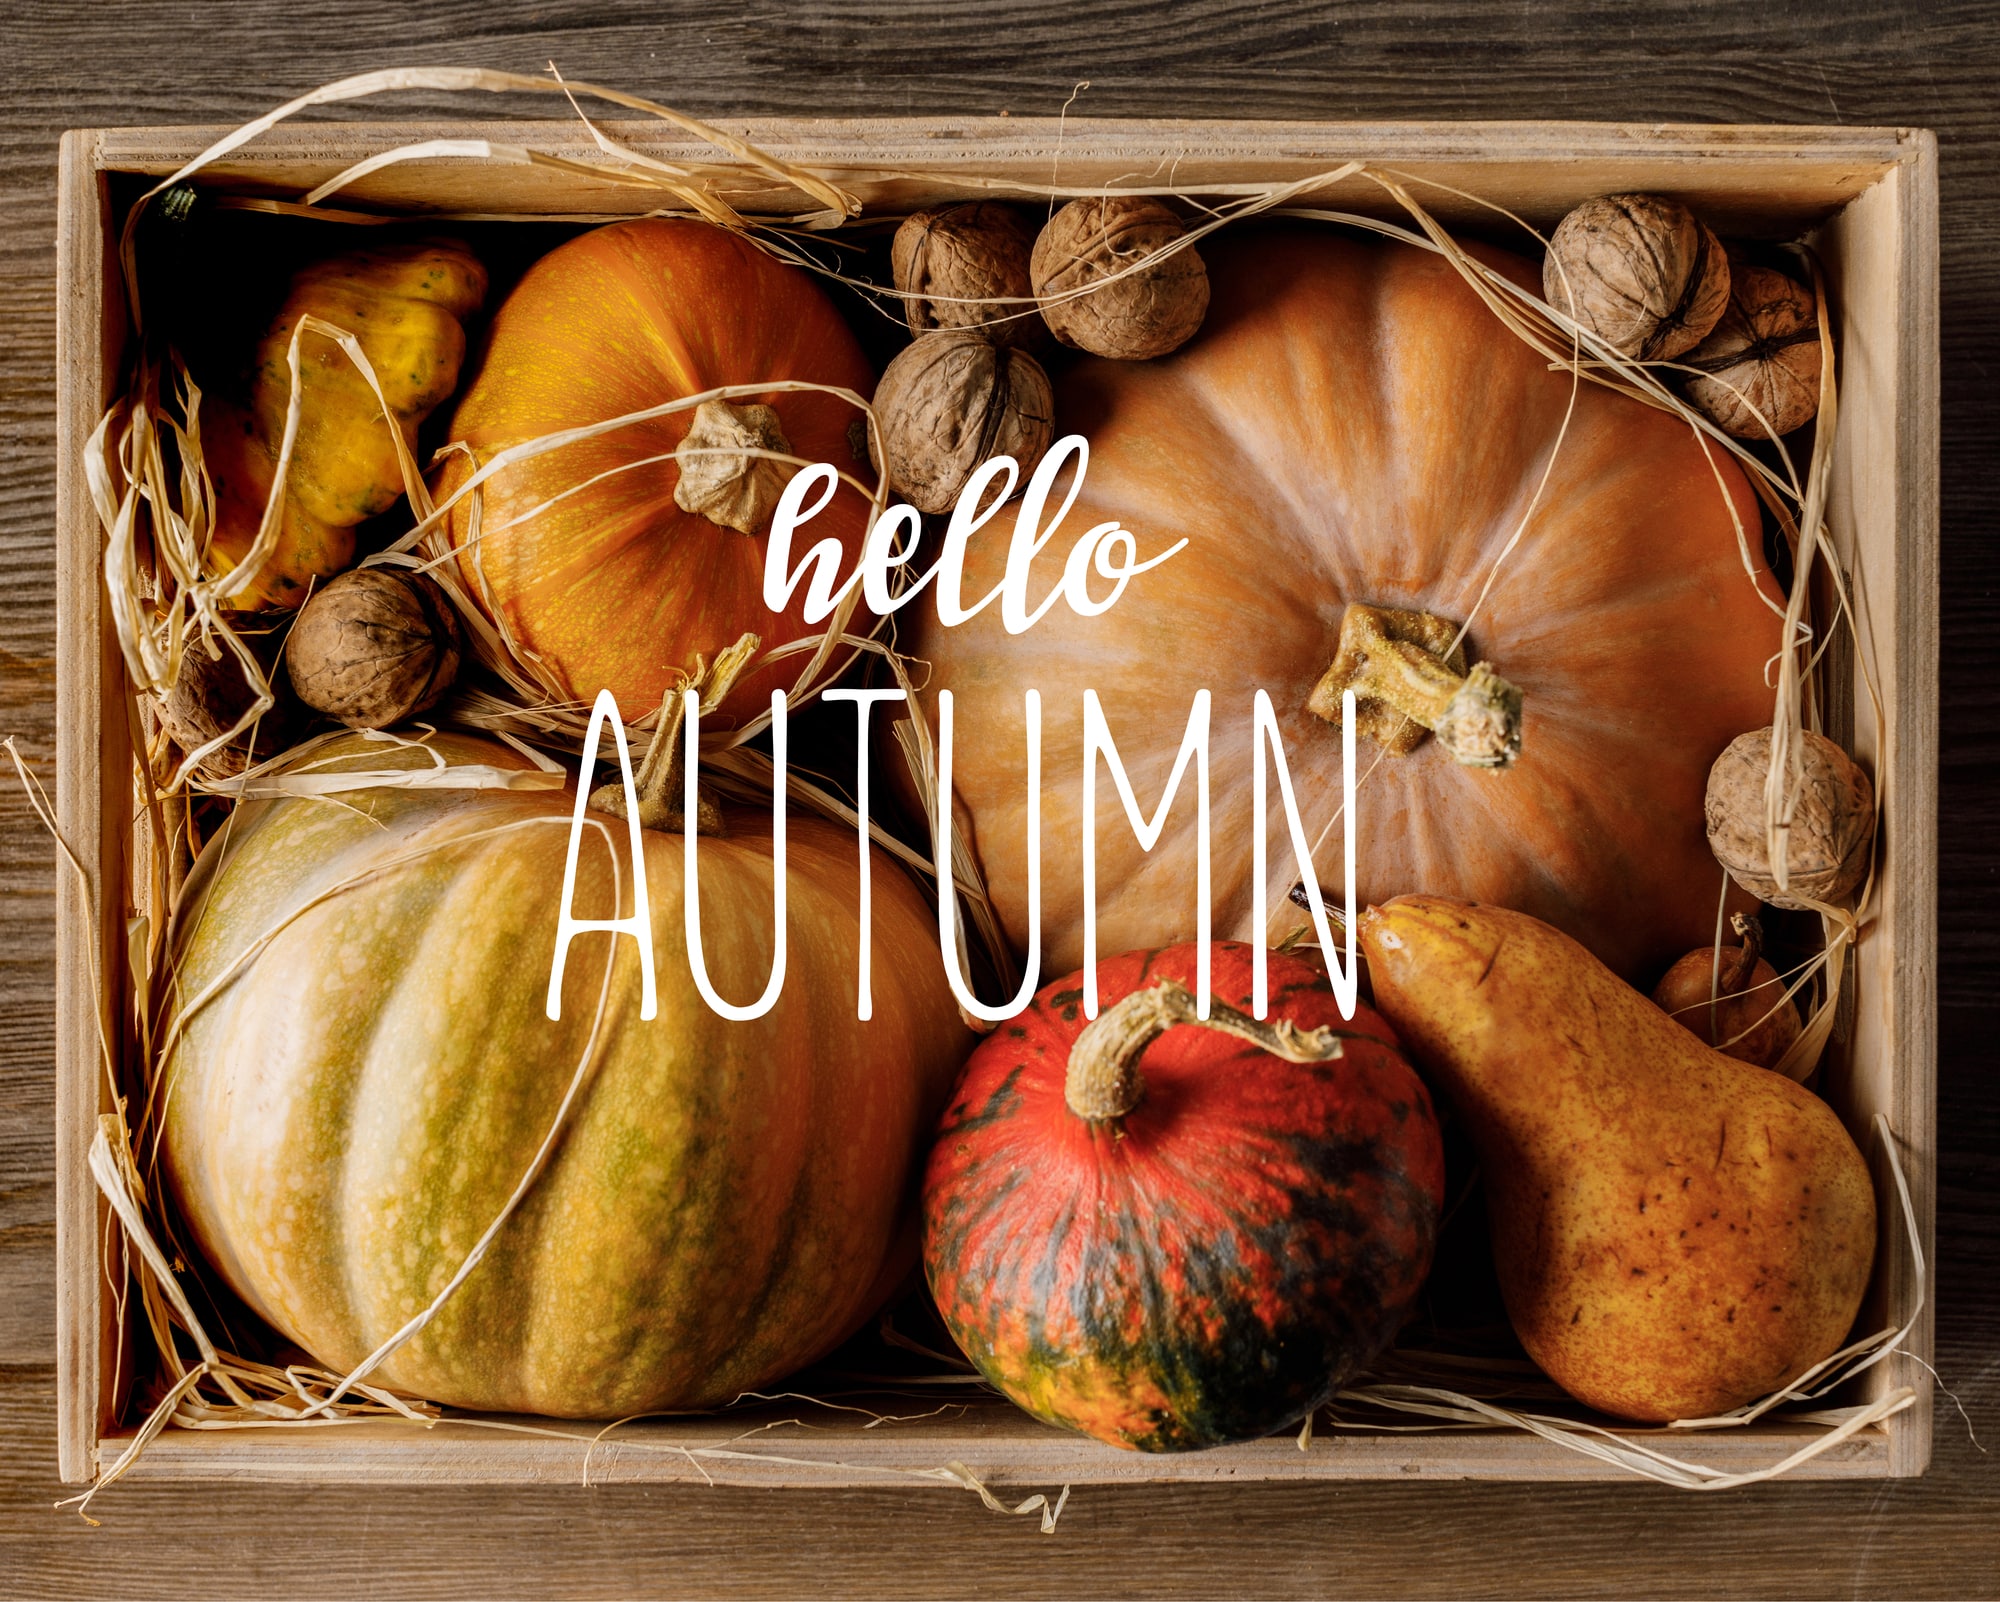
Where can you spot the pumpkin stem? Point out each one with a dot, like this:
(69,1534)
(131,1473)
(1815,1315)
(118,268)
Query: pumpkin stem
(1739,965)
(1103,1078)
(723,476)
(1409,679)
(658,782)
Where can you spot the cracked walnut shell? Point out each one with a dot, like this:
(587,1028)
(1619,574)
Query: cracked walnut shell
(951,402)
(1762,362)
(1832,821)
(374,647)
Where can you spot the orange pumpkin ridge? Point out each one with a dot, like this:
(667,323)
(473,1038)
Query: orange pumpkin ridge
(1354,425)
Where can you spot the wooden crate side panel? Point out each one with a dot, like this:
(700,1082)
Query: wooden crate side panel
(1882,253)
(1749,178)
(993,1439)
(1813,170)
(92,759)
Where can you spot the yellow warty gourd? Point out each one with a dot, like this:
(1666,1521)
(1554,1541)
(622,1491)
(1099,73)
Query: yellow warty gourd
(407,306)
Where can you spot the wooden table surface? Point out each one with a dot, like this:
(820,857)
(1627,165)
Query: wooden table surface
(1814,61)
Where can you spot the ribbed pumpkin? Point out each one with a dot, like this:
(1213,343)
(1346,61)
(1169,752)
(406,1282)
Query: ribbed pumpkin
(583,551)
(349,1105)
(1212,1262)
(1353,425)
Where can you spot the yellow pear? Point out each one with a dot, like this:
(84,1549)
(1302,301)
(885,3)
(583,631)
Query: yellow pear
(1676,1232)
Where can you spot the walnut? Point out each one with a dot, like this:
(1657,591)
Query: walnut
(374,647)
(212,692)
(1133,314)
(1641,272)
(1763,357)
(1832,822)
(954,263)
(952,401)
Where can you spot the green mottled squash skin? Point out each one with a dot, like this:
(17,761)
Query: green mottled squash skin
(352,1106)
(1215,1264)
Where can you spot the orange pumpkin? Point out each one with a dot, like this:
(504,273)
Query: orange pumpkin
(583,551)
(1353,425)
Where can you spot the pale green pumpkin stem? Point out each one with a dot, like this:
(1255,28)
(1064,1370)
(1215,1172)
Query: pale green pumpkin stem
(659,779)
(1406,679)
(1103,1080)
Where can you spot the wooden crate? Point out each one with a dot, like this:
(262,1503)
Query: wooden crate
(1867,196)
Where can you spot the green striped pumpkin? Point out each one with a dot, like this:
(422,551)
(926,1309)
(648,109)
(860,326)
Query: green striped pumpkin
(361,1076)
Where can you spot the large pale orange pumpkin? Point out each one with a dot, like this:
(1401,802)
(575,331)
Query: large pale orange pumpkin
(349,1105)
(1353,425)
(583,551)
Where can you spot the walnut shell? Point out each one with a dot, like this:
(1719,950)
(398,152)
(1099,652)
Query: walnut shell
(1144,313)
(954,400)
(1763,356)
(1641,272)
(212,693)
(374,647)
(1832,826)
(947,262)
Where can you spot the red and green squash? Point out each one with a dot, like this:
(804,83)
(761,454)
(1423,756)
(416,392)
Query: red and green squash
(1215,1262)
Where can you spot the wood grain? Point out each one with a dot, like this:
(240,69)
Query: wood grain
(1774,181)
(1882,251)
(90,739)
(1871,192)
(119,62)
(990,1436)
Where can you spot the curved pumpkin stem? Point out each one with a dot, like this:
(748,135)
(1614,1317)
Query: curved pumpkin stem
(658,781)
(1408,678)
(1103,1080)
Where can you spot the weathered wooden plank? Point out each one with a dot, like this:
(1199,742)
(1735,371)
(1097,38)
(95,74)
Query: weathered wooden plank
(1927,1538)
(1878,63)
(805,1448)
(1755,178)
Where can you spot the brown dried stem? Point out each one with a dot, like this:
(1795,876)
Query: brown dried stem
(1103,1081)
